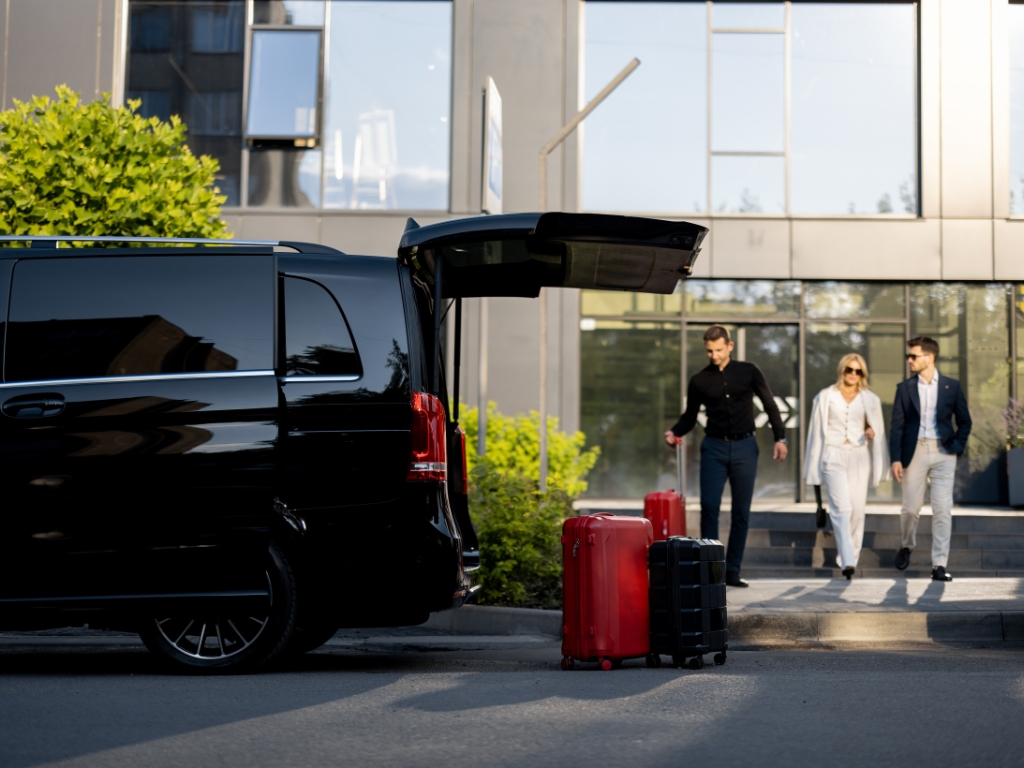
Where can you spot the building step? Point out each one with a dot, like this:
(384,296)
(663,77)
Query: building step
(761,572)
(825,557)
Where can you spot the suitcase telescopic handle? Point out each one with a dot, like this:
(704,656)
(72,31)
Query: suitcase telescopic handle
(681,467)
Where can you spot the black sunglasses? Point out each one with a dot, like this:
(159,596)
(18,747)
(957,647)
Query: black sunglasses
(858,371)
(912,357)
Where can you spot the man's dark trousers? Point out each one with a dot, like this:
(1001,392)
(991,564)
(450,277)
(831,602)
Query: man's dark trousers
(735,460)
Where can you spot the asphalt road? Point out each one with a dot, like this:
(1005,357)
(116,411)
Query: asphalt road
(367,706)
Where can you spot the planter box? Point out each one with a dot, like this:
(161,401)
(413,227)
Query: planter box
(1015,470)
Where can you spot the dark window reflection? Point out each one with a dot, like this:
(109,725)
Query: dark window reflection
(317,338)
(186,59)
(80,318)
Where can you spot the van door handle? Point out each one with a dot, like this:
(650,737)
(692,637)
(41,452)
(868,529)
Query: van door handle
(34,406)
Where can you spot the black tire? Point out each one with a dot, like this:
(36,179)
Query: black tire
(653,660)
(719,659)
(697,662)
(678,661)
(243,642)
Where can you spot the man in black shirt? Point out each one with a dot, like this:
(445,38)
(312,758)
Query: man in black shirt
(726,389)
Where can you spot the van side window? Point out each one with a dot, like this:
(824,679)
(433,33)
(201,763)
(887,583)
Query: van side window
(317,338)
(76,318)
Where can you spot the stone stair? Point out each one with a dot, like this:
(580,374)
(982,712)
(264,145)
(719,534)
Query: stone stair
(783,541)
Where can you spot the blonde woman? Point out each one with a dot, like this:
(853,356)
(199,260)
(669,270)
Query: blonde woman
(847,452)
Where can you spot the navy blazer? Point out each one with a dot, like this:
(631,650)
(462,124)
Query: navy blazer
(906,418)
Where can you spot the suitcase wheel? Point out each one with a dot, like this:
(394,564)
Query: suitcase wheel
(678,661)
(606,664)
(616,663)
(653,660)
(720,658)
(568,663)
(697,662)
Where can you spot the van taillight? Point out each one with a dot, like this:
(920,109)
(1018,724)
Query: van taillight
(429,455)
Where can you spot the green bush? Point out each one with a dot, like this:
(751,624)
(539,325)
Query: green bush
(518,526)
(68,168)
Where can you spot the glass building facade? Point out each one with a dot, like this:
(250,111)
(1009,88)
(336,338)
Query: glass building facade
(637,352)
(317,104)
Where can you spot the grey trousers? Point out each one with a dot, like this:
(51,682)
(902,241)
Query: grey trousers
(930,462)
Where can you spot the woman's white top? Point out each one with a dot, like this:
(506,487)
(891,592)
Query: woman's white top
(846,421)
(819,429)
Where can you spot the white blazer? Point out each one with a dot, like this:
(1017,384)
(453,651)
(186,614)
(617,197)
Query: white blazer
(879,448)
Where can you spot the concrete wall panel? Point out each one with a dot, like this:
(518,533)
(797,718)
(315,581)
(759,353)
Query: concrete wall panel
(279,227)
(51,42)
(1000,109)
(746,248)
(368,235)
(966,249)
(463,94)
(705,259)
(867,250)
(1009,250)
(931,157)
(966,108)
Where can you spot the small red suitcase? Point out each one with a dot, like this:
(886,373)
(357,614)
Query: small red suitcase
(667,512)
(605,597)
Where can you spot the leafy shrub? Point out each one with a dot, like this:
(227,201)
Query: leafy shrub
(68,168)
(518,526)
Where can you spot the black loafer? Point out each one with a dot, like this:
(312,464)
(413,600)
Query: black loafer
(902,559)
(732,579)
(939,574)
(848,572)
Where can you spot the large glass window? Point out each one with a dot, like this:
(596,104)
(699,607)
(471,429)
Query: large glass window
(284,84)
(388,105)
(645,147)
(812,144)
(630,374)
(186,58)
(80,318)
(1015,15)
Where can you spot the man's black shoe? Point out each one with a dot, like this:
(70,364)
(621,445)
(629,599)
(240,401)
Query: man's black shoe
(732,579)
(939,574)
(903,559)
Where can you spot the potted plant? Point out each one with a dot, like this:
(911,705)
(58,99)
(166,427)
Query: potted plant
(1013,418)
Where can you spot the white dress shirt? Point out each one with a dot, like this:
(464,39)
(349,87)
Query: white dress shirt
(929,395)
(846,421)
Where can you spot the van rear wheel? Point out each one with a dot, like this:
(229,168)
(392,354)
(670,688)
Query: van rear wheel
(228,641)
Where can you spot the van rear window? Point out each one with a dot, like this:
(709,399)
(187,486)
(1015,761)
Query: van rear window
(317,338)
(76,318)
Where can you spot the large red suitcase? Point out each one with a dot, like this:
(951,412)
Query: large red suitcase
(667,512)
(605,597)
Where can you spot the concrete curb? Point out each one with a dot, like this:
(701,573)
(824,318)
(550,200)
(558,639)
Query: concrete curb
(774,628)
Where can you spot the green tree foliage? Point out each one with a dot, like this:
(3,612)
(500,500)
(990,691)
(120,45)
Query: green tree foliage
(519,527)
(68,168)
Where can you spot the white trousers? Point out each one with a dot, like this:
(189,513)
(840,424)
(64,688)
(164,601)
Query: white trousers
(929,462)
(845,472)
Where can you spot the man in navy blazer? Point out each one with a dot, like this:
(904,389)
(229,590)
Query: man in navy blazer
(924,444)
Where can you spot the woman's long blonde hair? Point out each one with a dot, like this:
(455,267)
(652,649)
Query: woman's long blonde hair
(847,359)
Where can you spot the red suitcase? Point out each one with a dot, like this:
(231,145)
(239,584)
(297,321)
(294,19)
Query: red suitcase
(605,597)
(667,512)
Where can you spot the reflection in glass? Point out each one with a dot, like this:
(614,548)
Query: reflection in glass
(834,299)
(284,178)
(853,128)
(969,322)
(774,349)
(72,318)
(386,134)
(748,184)
(742,298)
(630,396)
(1015,15)
(283,84)
(748,93)
(623,303)
(645,147)
(881,345)
(300,13)
(317,339)
(748,15)
(186,58)
(1018,314)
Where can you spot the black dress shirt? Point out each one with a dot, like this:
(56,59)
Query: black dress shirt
(728,397)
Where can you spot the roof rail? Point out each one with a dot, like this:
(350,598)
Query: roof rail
(45,241)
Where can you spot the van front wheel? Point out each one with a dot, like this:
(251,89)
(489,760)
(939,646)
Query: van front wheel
(227,641)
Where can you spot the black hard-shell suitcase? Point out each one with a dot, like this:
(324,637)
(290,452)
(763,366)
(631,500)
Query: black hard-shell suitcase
(687,601)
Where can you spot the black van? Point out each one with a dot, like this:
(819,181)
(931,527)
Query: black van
(235,448)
